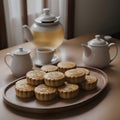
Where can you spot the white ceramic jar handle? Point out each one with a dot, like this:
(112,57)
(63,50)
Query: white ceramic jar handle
(116,51)
(5,59)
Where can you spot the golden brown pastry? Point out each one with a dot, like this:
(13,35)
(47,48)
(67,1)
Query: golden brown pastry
(87,72)
(24,90)
(66,65)
(75,76)
(45,93)
(49,68)
(35,77)
(54,79)
(90,83)
(68,91)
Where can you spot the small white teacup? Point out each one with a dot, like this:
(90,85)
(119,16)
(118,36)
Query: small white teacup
(45,55)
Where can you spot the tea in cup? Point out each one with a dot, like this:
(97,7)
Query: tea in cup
(45,55)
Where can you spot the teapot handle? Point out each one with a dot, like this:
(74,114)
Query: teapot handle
(27,33)
(5,59)
(116,51)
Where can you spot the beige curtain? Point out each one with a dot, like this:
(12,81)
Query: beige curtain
(34,9)
(13,15)
(59,8)
(13,21)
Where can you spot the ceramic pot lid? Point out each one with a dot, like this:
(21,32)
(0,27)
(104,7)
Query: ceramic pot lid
(97,41)
(46,17)
(21,51)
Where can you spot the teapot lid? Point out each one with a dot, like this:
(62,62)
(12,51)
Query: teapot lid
(46,18)
(21,51)
(97,41)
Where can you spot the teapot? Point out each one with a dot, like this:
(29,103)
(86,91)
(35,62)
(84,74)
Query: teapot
(96,53)
(46,31)
(21,61)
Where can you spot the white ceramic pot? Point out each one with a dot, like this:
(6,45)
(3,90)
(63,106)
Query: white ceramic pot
(96,53)
(21,61)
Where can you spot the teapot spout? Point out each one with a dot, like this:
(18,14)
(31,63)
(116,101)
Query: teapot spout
(27,33)
(86,50)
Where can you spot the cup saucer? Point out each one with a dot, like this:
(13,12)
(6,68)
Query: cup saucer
(55,60)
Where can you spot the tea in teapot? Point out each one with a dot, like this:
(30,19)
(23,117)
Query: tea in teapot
(46,31)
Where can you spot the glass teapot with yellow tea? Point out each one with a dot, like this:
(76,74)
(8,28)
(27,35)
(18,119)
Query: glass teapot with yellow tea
(46,31)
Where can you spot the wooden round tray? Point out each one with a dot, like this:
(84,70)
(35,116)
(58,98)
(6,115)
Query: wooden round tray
(32,105)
